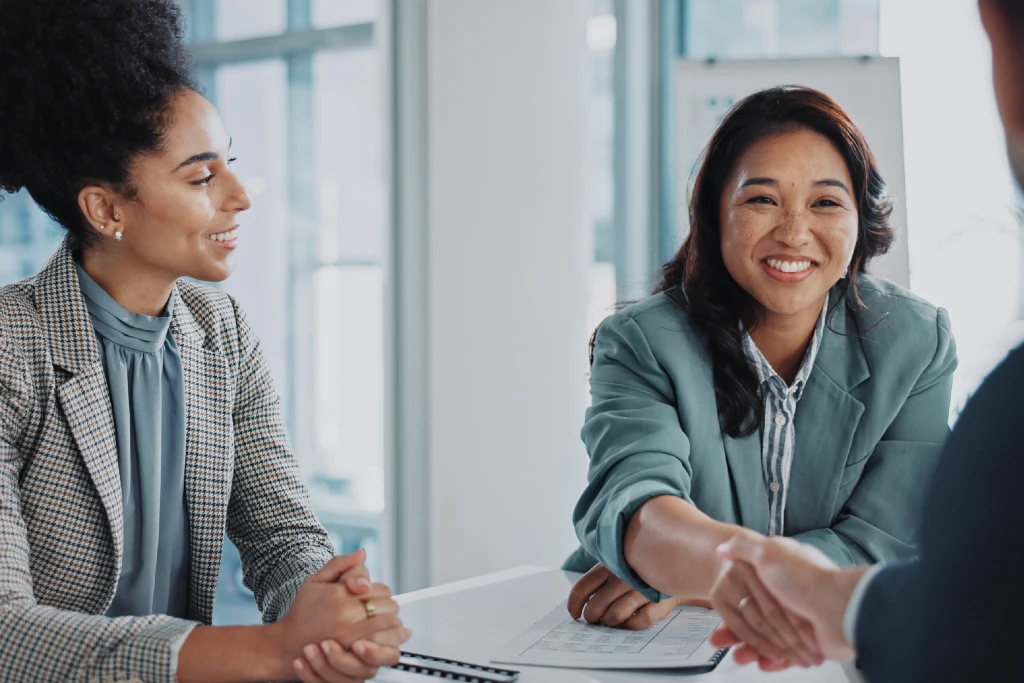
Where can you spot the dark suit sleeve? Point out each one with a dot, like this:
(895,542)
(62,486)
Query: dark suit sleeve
(958,614)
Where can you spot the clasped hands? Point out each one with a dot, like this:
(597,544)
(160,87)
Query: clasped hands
(777,597)
(341,627)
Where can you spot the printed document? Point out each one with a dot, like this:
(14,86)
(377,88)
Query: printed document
(678,641)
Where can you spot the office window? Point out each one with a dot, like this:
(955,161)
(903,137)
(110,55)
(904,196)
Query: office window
(27,237)
(308,134)
(241,19)
(752,29)
(328,13)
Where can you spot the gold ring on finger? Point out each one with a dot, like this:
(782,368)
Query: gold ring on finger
(743,603)
(371,609)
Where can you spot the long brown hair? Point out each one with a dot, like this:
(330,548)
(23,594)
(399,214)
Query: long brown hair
(696,277)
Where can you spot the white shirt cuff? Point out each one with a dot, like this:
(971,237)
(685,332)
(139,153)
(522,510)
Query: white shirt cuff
(853,607)
(176,646)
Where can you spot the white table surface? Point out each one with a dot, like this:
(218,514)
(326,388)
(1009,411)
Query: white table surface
(473,619)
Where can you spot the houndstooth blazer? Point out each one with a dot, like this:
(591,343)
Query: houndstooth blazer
(61,519)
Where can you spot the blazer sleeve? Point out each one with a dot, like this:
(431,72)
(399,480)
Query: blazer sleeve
(955,614)
(40,643)
(869,528)
(884,627)
(637,447)
(270,517)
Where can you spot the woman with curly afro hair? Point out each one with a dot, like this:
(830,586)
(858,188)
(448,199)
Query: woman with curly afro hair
(138,420)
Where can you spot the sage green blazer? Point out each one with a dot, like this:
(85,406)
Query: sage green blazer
(869,429)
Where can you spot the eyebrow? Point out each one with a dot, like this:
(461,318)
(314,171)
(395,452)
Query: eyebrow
(831,182)
(759,181)
(771,182)
(202,156)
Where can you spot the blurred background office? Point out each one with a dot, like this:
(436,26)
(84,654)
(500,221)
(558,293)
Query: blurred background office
(448,195)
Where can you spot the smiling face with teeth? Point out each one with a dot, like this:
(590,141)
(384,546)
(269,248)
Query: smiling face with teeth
(789,222)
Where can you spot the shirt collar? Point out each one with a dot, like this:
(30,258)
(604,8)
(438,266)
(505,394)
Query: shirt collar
(766,373)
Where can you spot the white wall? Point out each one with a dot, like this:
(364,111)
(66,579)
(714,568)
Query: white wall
(508,251)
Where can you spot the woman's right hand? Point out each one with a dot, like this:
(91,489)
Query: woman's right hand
(328,636)
(600,597)
(754,615)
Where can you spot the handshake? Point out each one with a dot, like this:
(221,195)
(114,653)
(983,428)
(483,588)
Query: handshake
(783,603)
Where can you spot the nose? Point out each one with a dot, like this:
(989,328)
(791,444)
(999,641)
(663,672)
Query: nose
(794,229)
(238,197)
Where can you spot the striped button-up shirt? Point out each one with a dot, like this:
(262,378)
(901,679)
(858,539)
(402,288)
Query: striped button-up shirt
(778,434)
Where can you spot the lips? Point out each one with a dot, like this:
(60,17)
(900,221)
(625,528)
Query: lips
(788,270)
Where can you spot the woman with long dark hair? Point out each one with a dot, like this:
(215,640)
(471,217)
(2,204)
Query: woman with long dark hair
(138,419)
(769,384)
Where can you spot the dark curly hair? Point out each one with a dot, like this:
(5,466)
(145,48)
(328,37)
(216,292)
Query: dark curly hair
(696,278)
(84,90)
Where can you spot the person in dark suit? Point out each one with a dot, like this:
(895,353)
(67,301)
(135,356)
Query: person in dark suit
(955,614)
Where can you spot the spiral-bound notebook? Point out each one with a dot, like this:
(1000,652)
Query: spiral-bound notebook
(414,668)
(679,641)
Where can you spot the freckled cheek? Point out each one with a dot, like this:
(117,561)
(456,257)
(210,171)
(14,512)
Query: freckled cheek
(741,233)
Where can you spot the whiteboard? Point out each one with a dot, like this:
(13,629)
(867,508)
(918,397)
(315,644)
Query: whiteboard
(868,88)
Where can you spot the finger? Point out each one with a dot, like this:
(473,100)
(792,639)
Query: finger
(363,616)
(623,608)
(361,630)
(804,632)
(745,654)
(395,637)
(738,624)
(373,654)
(334,662)
(338,565)
(378,591)
(603,599)
(769,665)
(649,614)
(776,624)
(751,613)
(304,670)
(352,608)
(807,635)
(699,602)
(357,580)
(381,607)
(586,586)
(724,637)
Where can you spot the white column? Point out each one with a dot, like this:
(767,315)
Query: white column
(508,251)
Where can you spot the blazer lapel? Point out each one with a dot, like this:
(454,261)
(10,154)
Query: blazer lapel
(822,453)
(85,397)
(209,454)
(743,457)
(85,400)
